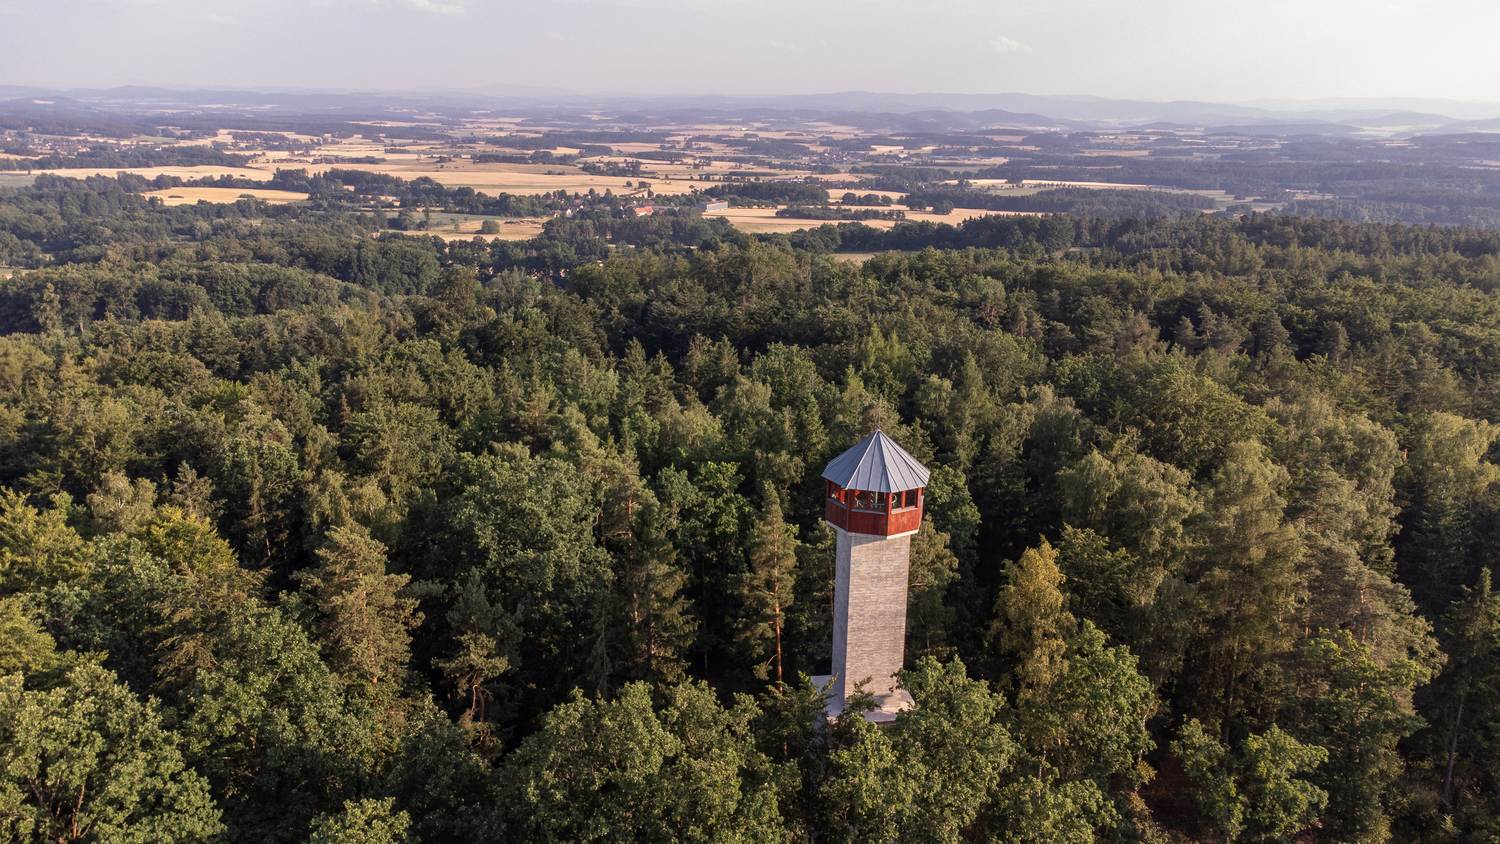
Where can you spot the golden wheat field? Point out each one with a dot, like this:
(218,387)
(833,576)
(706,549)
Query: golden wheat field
(467,228)
(764,220)
(958,215)
(524,228)
(483,178)
(189,196)
(495,179)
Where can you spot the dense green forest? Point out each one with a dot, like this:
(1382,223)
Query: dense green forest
(123,156)
(1078,201)
(311,534)
(1430,180)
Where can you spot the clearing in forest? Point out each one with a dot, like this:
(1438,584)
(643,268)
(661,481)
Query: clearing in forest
(191,196)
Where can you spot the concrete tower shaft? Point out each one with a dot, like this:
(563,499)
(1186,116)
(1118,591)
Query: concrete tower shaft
(869,612)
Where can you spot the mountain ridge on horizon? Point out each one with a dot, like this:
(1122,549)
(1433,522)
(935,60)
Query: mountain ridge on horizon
(1061,111)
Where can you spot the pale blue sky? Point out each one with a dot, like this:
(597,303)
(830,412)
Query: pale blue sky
(1224,50)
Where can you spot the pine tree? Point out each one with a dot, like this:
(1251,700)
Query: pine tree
(364,621)
(659,624)
(1260,793)
(1090,722)
(485,638)
(1449,475)
(28,649)
(929,619)
(193,587)
(768,587)
(1360,710)
(47,312)
(1248,579)
(1185,335)
(1205,760)
(1467,695)
(1032,626)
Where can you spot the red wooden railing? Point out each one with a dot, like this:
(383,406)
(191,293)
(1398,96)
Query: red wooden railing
(880,516)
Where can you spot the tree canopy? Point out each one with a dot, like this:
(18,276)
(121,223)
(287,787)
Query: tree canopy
(312,530)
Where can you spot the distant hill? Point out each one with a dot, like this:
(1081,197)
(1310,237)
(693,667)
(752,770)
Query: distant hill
(1491,125)
(1282,130)
(936,111)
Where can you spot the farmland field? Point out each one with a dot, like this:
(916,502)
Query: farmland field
(519,229)
(764,220)
(467,227)
(490,179)
(205,171)
(497,179)
(190,195)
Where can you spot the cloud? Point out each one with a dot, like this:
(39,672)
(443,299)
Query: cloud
(1005,44)
(452,8)
(437,7)
(656,4)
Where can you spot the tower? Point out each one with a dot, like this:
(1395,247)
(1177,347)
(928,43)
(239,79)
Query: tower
(874,495)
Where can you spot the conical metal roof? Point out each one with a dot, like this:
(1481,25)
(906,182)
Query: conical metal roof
(877,464)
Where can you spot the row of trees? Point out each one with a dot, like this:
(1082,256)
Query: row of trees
(108,155)
(1139,204)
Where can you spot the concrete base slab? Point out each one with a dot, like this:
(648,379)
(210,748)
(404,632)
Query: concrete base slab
(887,706)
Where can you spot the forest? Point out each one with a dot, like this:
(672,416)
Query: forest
(1429,180)
(314,531)
(123,156)
(1147,204)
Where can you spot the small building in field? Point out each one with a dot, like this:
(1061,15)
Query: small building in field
(644,210)
(714,205)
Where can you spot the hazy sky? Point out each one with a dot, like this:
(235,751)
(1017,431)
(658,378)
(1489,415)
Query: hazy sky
(1226,50)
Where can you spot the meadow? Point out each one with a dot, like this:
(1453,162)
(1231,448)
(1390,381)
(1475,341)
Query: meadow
(190,195)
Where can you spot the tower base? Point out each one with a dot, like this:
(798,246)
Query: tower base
(887,705)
